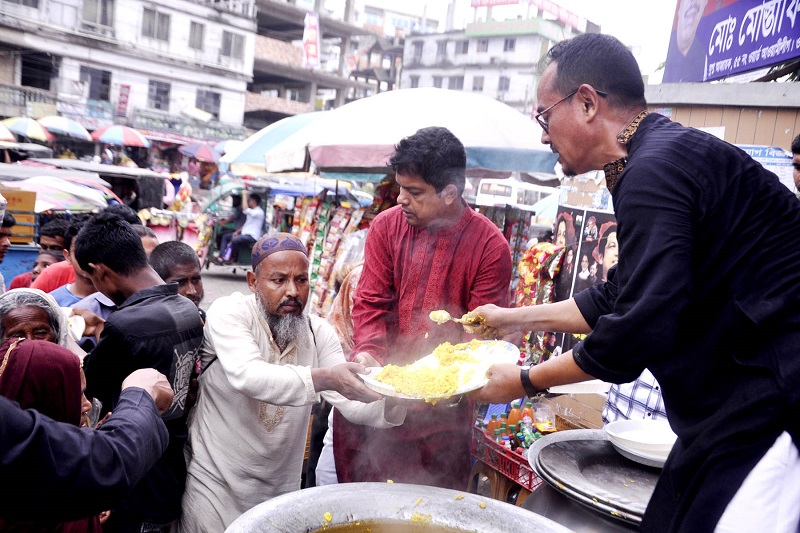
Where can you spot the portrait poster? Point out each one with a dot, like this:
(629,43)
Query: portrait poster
(597,251)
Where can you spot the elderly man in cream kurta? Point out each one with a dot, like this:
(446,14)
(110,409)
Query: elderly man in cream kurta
(247,433)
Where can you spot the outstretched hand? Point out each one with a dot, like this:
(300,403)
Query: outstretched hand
(489,322)
(155,384)
(343,379)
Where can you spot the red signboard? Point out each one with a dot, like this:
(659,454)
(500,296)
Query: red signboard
(564,15)
(490,3)
(311,41)
(122,103)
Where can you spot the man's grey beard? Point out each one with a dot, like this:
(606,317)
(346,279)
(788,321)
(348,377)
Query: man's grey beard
(286,328)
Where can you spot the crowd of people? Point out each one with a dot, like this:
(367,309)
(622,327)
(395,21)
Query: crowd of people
(192,418)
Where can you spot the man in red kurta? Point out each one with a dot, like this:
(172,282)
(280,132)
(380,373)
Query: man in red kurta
(430,252)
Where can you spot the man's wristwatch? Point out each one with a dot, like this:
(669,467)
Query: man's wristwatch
(530,390)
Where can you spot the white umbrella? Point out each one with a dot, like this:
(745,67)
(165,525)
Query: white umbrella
(361,135)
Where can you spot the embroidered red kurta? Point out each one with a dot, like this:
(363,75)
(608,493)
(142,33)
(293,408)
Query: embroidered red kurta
(409,272)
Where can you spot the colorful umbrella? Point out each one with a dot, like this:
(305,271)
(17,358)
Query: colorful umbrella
(201,152)
(27,127)
(55,193)
(249,156)
(5,134)
(65,126)
(120,136)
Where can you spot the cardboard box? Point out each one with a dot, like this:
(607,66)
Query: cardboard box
(21,204)
(577,411)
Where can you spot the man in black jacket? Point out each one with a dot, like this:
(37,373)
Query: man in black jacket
(153,327)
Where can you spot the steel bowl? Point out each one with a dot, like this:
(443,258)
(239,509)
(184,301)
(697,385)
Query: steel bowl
(305,511)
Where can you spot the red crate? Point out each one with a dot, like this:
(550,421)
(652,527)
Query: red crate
(511,464)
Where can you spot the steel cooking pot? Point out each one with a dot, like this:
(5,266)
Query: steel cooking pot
(305,510)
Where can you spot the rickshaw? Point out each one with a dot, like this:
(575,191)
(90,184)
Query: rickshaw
(219,207)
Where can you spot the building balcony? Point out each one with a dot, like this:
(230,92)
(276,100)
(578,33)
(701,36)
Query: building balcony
(244,8)
(255,103)
(16,100)
(280,52)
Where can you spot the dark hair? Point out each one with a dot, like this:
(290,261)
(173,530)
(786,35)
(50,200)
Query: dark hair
(8,220)
(796,145)
(124,212)
(109,240)
(59,256)
(256,197)
(143,231)
(55,228)
(72,231)
(603,62)
(435,155)
(171,254)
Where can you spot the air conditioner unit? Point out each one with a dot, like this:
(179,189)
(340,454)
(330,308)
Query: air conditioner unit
(196,114)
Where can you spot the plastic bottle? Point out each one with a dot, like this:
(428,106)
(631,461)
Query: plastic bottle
(492,425)
(515,415)
(503,428)
(497,436)
(506,442)
(528,411)
(512,430)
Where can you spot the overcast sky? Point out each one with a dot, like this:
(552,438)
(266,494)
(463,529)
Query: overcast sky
(644,25)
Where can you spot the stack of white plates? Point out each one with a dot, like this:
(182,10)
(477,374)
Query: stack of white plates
(645,441)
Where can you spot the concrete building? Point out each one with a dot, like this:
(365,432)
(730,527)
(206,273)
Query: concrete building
(176,69)
(496,58)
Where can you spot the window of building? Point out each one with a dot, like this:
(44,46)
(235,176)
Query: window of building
(99,82)
(98,12)
(414,82)
(158,95)
(441,49)
(29,3)
(483,45)
(155,24)
(208,101)
(437,82)
(477,83)
(197,33)
(462,47)
(456,83)
(232,45)
(504,83)
(509,45)
(417,50)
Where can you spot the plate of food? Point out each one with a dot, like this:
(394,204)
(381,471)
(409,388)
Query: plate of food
(451,370)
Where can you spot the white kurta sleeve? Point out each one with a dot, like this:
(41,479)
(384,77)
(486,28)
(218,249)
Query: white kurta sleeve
(374,414)
(230,330)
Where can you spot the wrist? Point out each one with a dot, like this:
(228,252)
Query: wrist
(524,376)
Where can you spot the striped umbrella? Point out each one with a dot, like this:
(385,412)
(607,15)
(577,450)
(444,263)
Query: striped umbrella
(120,136)
(27,127)
(5,134)
(65,126)
(201,152)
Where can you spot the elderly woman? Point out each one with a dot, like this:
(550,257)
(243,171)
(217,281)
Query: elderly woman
(32,314)
(38,372)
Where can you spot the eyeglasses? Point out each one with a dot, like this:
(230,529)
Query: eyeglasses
(546,124)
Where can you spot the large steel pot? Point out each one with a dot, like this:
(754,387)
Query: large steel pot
(305,510)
